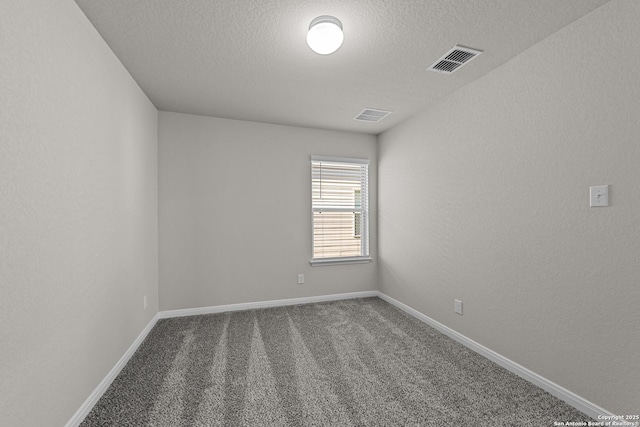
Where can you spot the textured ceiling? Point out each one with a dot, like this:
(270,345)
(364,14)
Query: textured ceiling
(248,59)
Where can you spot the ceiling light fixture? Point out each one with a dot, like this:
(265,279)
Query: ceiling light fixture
(325,35)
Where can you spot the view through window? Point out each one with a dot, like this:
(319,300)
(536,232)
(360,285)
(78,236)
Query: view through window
(340,208)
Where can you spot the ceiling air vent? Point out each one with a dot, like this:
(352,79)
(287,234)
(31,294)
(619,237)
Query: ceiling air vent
(454,59)
(371,115)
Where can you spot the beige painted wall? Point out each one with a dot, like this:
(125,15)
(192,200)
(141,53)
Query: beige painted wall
(485,199)
(78,211)
(235,211)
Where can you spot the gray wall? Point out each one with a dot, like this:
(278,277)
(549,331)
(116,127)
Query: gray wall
(235,211)
(78,211)
(485,199)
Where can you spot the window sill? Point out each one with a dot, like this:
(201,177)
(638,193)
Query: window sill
(336,261)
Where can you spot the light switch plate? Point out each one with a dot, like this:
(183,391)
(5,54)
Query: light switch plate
(599,196)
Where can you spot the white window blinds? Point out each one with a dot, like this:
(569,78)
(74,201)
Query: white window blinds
(340,204)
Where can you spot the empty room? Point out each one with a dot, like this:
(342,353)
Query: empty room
(327,213)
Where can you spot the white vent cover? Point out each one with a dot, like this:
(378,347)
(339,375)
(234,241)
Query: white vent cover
(454,59)
(371,115)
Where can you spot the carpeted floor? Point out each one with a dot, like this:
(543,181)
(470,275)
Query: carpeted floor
(355,362)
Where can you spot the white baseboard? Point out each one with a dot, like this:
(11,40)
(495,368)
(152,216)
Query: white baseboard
(264,304)
(93,398)
(581,404)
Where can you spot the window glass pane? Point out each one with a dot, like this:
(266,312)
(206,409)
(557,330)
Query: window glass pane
(333,235)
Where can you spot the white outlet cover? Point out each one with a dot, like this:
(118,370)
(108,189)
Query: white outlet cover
(599,196)
(457,306)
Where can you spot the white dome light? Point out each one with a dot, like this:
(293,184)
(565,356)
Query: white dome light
(325,35)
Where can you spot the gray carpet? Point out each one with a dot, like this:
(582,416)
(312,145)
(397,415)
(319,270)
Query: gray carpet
(346,363)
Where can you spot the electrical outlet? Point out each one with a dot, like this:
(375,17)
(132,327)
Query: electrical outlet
(457,306)
(145,302)
(300,279)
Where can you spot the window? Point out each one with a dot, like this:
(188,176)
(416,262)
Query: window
(340,205)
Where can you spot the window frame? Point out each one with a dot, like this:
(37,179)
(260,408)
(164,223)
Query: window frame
(364,256)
